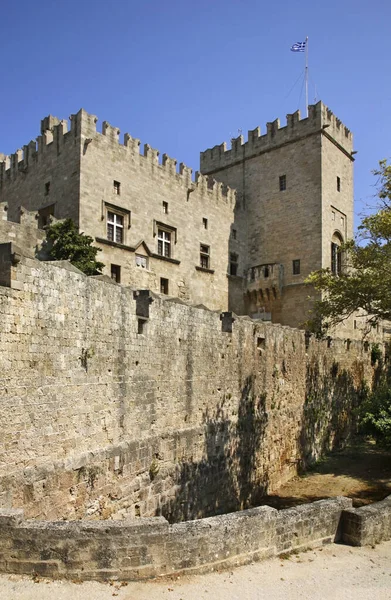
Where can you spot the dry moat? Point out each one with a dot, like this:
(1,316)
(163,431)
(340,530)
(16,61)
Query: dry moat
(362,472)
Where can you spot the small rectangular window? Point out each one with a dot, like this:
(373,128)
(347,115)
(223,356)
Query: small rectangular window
(282,183)
(205,223)
(332,215)
(117,188)
(165,208)
(296,267)
(338,184)
(163,285)
(234,234)
(233,264)
(116,273)
(204,256)
(47,188)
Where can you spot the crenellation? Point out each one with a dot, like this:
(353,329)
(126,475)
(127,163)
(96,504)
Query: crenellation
(132,143)
(170,164)
(272,128)
(253,135)
(293,118)
(151,154)
(186,173)
(236,144)
(48,123)
(110,131)
(30,153)
(202,181)
(59,132)
(28,217)
(320,120)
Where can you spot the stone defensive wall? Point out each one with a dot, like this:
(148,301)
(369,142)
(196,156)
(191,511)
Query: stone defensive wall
(56,140)
(151,547)
(320,120)
(119,403)
(24,232)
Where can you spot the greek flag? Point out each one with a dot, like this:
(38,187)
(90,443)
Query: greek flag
(298,47)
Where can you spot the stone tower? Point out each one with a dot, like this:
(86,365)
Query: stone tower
(295,207)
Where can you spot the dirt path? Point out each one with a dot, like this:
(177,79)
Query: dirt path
(336,572)
(361,472)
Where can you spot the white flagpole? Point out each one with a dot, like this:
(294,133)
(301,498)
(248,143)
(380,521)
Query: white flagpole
(306,75)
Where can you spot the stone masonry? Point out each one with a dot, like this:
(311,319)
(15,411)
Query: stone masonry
(118,403)
(195,240)
(168,233)
(295,197)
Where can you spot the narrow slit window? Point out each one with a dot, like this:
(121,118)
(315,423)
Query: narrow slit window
(338,184)
(165,208)
(296,267)
(233,264)
(205,223)
(163,286)
(282,183)
(117,188)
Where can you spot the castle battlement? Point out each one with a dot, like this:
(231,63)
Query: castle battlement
(179,173)
(55,137)
(320,120)
(50,141)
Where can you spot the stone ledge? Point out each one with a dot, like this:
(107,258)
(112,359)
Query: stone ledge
(150,547)
(367,525)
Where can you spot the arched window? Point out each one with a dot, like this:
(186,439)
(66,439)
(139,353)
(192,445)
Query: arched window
(336,254)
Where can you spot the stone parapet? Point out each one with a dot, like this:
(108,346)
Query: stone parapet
(146,548)
(368,525)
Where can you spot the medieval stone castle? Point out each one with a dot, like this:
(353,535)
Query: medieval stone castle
(243,236)
(135,403)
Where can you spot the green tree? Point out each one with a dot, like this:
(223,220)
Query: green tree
(375,412)
(365,281)
(66,243)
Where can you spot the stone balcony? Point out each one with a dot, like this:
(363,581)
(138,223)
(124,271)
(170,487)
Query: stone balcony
(268,277)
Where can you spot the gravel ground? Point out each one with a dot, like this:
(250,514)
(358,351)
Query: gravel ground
(336,572)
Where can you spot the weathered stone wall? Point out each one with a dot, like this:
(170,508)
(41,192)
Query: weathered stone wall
(146,548)
(151,196)
(367,525)
(23,232)
(107,411)
(298,222)
(46,172)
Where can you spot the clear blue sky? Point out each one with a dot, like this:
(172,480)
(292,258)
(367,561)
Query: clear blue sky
(184,76)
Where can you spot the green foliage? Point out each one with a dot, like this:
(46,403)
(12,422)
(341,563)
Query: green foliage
(66,243)
(365,282)
(376,354)
(375,412)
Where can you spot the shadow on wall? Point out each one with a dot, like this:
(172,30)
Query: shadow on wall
(234,473)
(226,479)
(330,409)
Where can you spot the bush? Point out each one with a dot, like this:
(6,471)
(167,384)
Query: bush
(375,412)
(66,243)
